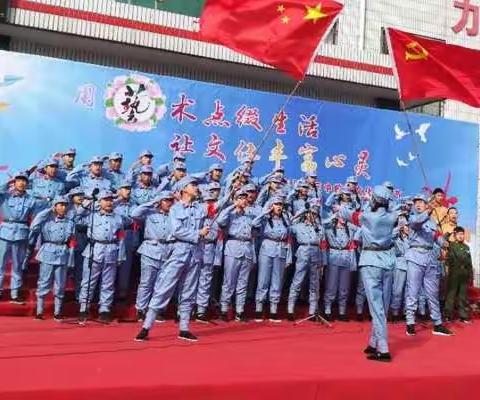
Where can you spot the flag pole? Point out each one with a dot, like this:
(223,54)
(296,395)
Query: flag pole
(416,151)
(270,129)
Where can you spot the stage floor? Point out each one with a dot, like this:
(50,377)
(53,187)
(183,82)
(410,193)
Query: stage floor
(49,360)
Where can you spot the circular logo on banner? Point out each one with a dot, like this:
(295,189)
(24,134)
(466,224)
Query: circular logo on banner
(135,103)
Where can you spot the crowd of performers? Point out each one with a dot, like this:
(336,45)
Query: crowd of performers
(91,221)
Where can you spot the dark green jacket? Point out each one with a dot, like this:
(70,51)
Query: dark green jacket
(458,257)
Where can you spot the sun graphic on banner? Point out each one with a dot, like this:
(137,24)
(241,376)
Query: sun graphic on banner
(135,103)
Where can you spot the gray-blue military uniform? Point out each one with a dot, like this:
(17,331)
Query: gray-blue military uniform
(74,213)
(377,260)
(115,177)
(274,255)
(182,267)
(239,256)
(56,254)
(44,189)
(341,262)
(107,239)
(169,183)
(399,275)
(310,259)
(63,170)
(212,257)
(142,193)
(81,176)
(132,240)
(17,211)
(423,266)
(155,249)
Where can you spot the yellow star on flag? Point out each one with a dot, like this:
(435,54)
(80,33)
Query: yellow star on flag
(285,19)
(315,13)
(281,8)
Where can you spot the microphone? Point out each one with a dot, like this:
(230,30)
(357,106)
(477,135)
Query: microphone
(95,193)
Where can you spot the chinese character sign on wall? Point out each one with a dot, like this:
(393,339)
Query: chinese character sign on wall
(54,106)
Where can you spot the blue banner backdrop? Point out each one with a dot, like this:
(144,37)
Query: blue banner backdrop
(49,105)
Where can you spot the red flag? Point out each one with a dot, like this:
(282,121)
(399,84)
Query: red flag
(430,69)
(284,34)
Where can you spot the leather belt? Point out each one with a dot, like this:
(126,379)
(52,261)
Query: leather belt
(238,239)
(377,248)
(11,221)
(103,241)
(338,248)
(276,240)
(156,242)
(309,244)
(53,242)
(209,241)
(422,247)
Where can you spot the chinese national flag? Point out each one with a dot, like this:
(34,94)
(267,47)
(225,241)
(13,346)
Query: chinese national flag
(430,69)
(284,34)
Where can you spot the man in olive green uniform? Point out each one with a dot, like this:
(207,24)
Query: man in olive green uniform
(460,272)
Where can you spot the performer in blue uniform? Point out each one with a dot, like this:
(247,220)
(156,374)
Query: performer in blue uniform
(17,208)
(377,260)
(182,268)
(56,253)
(423,266)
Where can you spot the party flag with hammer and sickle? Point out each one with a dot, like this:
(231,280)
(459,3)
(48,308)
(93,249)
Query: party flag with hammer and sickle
(429,69)
(284,34)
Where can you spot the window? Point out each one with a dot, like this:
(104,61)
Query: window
(383,42)
(332,37)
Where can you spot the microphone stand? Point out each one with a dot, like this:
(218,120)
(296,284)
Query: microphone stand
(90,258)
(315,317)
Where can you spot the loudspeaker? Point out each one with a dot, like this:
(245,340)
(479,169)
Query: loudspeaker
(3,10)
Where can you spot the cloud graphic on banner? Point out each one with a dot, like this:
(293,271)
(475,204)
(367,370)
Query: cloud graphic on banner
(135,103)
(411,157)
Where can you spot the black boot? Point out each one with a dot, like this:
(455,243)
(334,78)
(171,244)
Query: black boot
(105,317)
(382,357)
(258,316)
(291,317)
(224,316)
(240,317)
(142,335)
(140,315)
(370,350)
(188,336)
(82,317)
(343,318)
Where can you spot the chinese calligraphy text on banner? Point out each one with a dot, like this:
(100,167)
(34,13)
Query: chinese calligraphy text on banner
(50,105)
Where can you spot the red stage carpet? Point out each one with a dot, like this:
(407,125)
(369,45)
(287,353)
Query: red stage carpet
(48,360)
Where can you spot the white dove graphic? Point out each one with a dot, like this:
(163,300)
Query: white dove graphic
(399,134)
(401,163)
(411,157)
(422,131)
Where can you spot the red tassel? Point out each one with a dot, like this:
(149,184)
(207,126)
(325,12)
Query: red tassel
(324,245)
(72,243)
(356,218)
(135,226)
(121,235)
(438,234)
(352,245)
(211,210)
(220,235)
